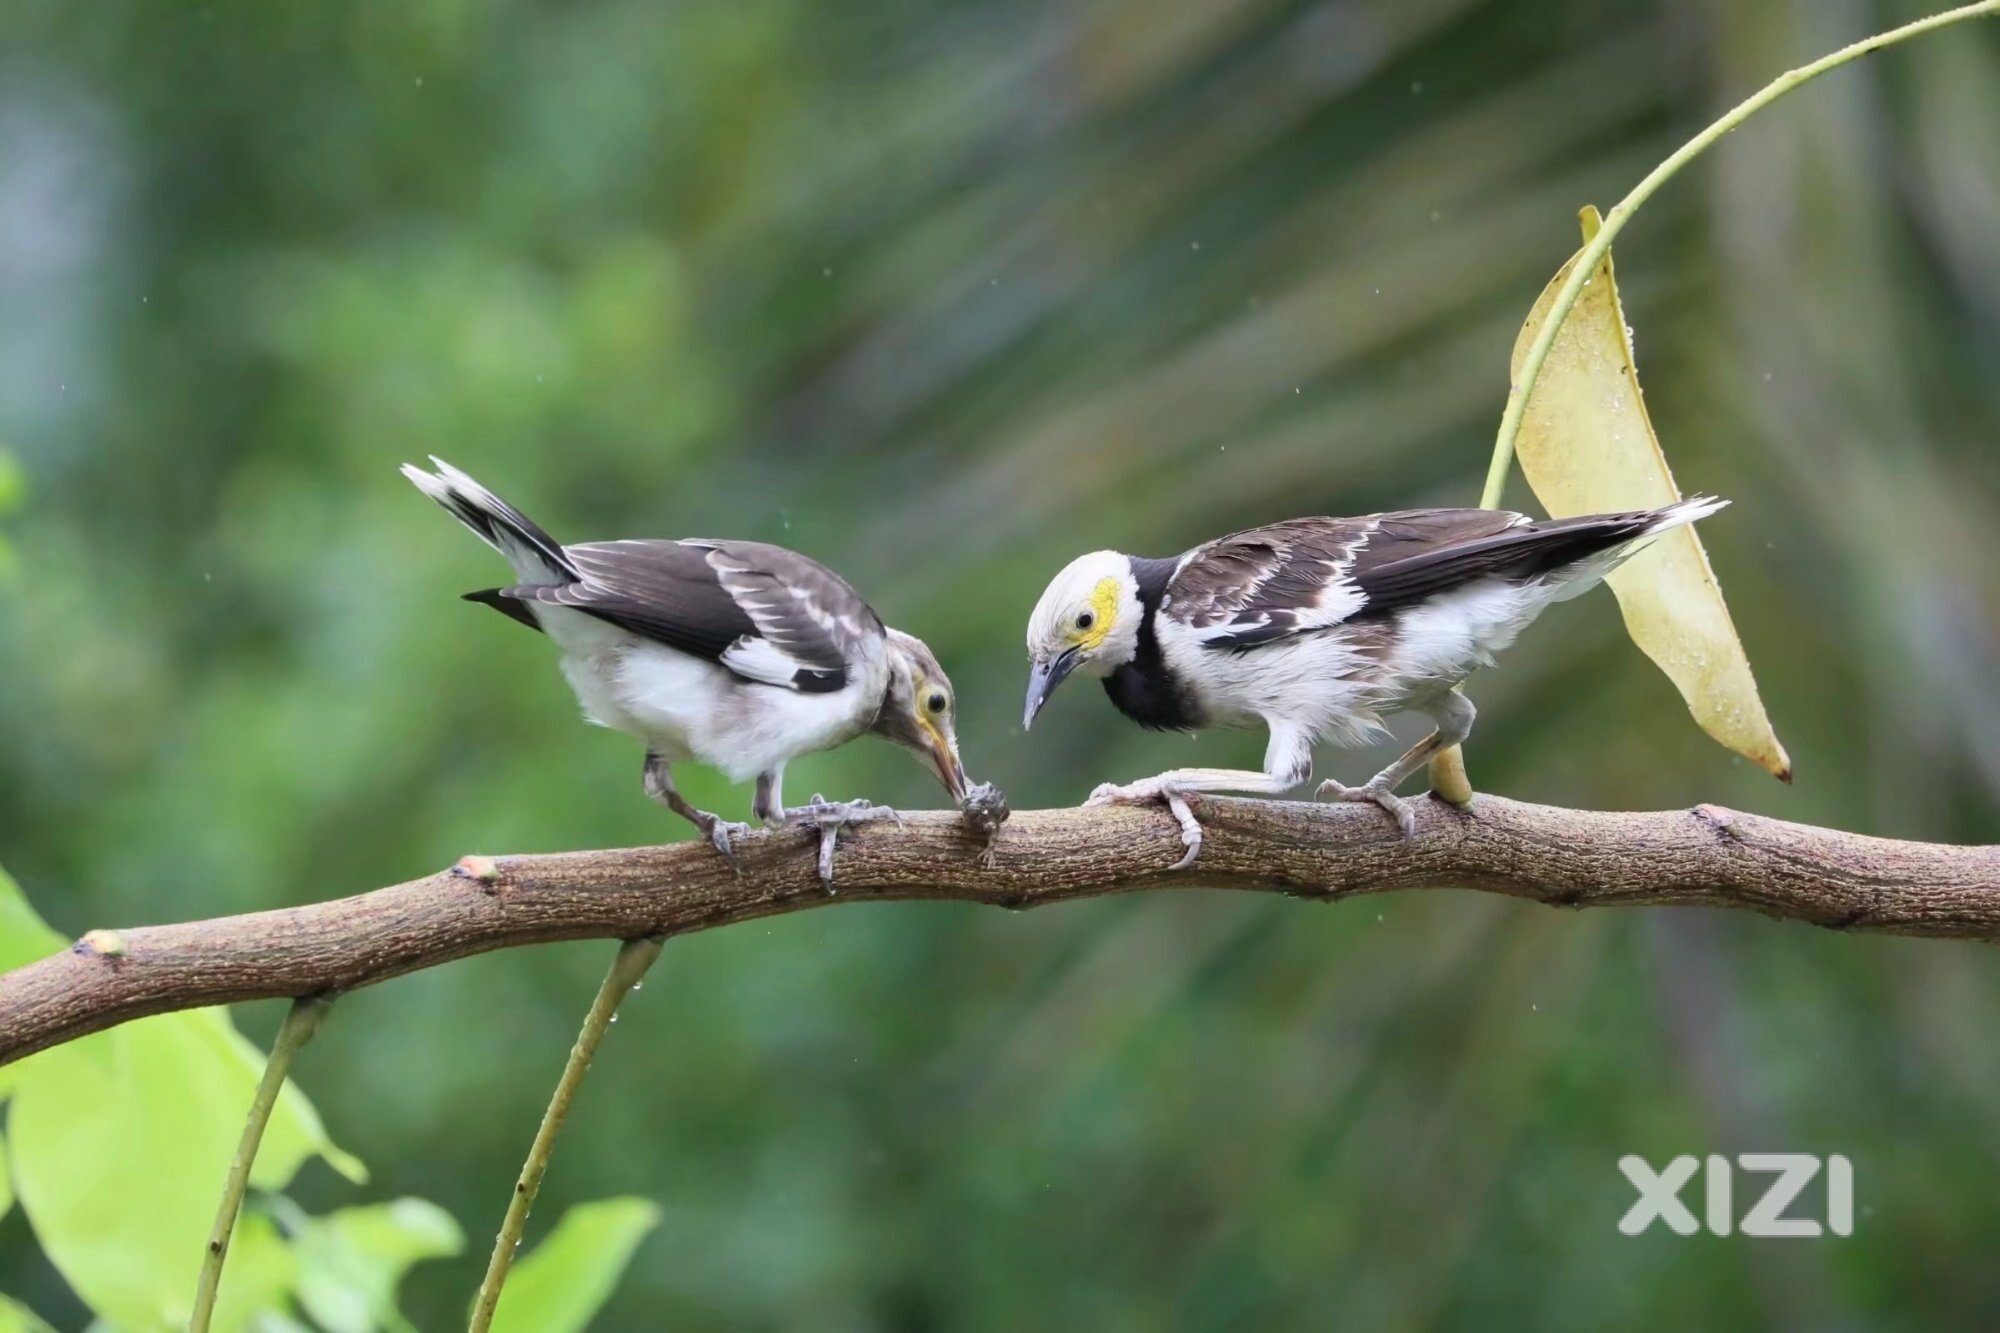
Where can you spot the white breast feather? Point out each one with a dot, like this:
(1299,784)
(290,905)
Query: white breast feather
(1445,638)
(1323,685)
(1315,682)
(686,708)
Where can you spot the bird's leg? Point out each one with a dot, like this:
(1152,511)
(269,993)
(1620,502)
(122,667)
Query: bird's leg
(769,802)
(1453,714)
(1287,763)
(828,818)
(721,833)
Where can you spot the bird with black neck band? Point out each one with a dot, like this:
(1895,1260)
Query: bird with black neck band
(1316,629)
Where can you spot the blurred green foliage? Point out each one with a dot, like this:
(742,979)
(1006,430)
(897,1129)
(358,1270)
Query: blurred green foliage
(18,1318)
(119,1142)
(945,295)
(10,496)
(351,1262)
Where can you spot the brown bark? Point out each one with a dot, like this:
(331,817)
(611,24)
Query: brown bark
(1574,858)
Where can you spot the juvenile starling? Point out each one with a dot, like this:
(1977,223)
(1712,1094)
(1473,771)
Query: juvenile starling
(1316,628)
(738,654)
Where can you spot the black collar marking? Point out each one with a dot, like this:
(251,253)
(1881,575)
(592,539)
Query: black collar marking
(1145,689)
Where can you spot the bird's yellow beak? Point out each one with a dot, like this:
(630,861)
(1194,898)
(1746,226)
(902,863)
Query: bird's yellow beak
(942,752)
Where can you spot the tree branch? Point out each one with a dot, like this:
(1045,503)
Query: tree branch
(1706,856)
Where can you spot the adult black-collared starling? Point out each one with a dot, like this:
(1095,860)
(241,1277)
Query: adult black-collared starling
(1316,628)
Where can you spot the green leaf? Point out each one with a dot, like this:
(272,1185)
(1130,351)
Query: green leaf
(119,1163)
(260,1275)
(350,1262)
(562,1285)
(6,1182)
(295,1132)
(18,1318)
(24,936)
(277,1321)
(119,1145)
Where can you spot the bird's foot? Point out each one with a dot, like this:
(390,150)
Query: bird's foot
(1149,792)
(722,835)
(828,818)
(1377,792)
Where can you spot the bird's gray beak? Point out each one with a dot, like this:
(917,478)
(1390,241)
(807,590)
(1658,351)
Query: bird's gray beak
(1043,677)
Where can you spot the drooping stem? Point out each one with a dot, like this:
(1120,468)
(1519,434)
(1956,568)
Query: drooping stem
(301,1022)
(627,969)
(1593,253)
(1447,769)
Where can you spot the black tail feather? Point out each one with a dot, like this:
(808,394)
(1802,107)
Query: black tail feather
(497,523)
(1531,551)
(506,604)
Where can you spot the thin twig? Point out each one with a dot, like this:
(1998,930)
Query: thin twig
(301,1022)
(634,958)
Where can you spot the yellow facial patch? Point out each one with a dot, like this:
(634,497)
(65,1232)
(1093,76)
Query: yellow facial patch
(1103,606)
(921,693)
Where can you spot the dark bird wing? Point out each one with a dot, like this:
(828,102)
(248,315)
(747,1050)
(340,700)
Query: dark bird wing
(1420,553)
(762,612)
(1257,587)
(1268,584)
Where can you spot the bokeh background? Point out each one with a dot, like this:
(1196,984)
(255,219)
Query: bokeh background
(945,294)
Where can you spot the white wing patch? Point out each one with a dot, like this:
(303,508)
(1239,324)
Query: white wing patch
(759,659)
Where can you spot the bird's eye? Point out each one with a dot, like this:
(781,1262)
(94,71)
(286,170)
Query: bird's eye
(1085,619)
(936,702)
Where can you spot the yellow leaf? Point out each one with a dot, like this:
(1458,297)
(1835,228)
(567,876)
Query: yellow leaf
(1587,447)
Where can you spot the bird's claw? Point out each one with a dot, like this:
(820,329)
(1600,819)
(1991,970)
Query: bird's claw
(1147,793)
(1374,792)
(722,835)
(828,818)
